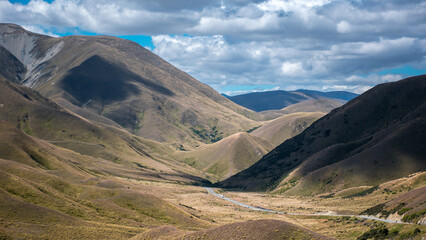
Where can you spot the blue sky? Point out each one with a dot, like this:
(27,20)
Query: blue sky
(241,46)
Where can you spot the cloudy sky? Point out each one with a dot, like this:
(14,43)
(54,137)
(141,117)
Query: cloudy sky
(242,45)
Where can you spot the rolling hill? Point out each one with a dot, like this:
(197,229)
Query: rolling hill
(228,156)
(257,229)
(128,155)
(276,100)
(50,192)
(119,83)
(373,138)
(280,129)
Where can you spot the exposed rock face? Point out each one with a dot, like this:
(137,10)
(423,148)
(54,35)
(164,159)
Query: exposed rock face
(23,45)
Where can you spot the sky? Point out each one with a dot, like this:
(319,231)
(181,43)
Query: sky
(241,46)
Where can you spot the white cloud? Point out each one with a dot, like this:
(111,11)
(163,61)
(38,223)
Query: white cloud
(292,69)
(343,27)
(38,29)
(317,44)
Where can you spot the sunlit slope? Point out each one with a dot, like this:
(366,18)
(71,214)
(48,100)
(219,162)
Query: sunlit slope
(116,81)
(280,129)
(324,105)
(228,156)
(258,229)
(47,192)
(37,116)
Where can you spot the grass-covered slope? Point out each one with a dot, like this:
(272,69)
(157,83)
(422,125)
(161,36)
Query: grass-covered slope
(37,116)
(47,192)
(280,129)
(374,138)
(257,229)
(118,82)
(228,156)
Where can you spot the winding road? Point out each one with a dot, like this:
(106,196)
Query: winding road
(211,191)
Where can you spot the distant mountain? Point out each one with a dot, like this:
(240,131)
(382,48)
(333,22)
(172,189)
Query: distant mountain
(376,137)
(119,83)
(275,100)
(324,105)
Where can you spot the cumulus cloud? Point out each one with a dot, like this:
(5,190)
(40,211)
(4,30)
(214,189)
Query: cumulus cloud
(316,44)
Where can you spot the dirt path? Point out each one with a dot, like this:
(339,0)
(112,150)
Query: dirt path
(211,191)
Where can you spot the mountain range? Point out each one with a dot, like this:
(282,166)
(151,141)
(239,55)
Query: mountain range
(275,100)
(101,137)
(373,138)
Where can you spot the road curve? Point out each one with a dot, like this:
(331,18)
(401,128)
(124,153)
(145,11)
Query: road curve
(211,191)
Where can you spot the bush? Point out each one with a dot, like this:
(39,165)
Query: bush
(376,233)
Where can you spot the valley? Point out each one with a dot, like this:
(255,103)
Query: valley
(101,138)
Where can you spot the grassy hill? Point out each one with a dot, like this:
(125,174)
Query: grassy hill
(129,155)
(280,129)
(361,143)
(228,156)
(257,229)
(118,82)
(48,192)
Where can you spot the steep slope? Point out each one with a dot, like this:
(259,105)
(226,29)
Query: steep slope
(374,138)
(49,192)
(280,129)
(409,207)
(112,80)
(228,156)
(275,100)
(128,155)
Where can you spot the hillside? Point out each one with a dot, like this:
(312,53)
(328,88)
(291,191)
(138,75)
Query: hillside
(257,229)
(280,129)
(49,192)
(361,143)
(37,116)
(118,82)
(276,100)
(228,156)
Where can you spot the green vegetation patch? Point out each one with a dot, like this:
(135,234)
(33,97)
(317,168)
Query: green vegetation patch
(414,217)
(376,210)
(378,233)
(252,129)
(363,193)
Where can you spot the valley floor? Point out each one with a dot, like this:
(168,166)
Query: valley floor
(217,211)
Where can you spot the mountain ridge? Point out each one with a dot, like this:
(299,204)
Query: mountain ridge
(367,132)
(276,100)
(139,91)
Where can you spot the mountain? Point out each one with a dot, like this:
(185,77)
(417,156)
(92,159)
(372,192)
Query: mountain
(228,156)
(119,83)
(324,105)
(376,137)
(280,129)
(127,154)
(275,100)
